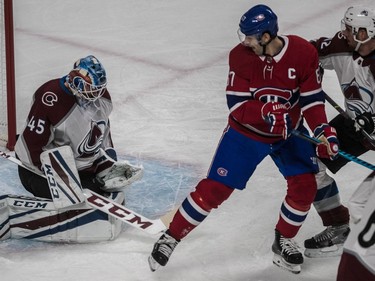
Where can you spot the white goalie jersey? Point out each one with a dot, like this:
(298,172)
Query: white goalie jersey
(57,118)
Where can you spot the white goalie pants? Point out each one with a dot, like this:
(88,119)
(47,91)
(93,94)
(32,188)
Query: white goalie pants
(38,219)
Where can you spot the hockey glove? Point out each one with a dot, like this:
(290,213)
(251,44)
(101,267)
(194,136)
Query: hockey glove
(329,145)
(365,121)
(276,114)
(121,175)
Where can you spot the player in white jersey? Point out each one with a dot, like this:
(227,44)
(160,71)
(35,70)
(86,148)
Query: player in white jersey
(358,259)
(73,110)
(69,118)
(351,54)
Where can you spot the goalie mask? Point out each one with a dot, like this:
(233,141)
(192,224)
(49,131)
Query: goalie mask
(359,17)
(88,79)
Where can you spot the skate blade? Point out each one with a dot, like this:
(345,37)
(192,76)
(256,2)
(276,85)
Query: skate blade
(294,268)
(333,251)
(154,265)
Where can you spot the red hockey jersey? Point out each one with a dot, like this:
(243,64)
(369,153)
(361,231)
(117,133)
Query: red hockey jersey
(291,77)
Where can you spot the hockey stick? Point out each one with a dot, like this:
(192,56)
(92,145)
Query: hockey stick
(106,205)
(344,154)
(346,116)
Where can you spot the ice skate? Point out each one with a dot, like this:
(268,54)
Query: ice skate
(161,252)
(286,253)
(328,243)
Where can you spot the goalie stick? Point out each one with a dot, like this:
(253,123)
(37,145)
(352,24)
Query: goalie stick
(344,154)
(106,205)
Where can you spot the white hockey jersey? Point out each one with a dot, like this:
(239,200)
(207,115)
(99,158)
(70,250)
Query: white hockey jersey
(356,74)
(58,118)
(359,248)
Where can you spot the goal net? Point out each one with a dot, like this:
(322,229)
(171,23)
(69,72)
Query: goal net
(7,83)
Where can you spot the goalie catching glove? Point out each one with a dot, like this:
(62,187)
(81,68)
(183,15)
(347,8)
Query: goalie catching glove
(329,145)
(120,175)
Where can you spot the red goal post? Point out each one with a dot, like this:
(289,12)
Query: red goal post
(7,73)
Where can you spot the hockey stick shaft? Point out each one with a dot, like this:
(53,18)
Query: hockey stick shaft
(346,115)
(336,106)
(106,205)
(344,154)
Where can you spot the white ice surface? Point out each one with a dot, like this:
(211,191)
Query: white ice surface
(166,63)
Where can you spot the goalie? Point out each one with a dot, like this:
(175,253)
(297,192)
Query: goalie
(73,111)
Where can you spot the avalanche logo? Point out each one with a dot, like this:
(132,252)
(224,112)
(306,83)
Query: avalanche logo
(351,91)
(358,99)
(222,172)
(93,139)
(49,98)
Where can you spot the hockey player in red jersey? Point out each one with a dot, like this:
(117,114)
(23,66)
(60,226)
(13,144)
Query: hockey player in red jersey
(272,80)
(350,53)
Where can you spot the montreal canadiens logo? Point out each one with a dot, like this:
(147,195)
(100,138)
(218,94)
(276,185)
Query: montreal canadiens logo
(222,172)
(268,94)
(259,18)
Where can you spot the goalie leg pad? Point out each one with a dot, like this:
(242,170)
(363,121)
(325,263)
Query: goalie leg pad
(4,218)
(38,219)
(62,176)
